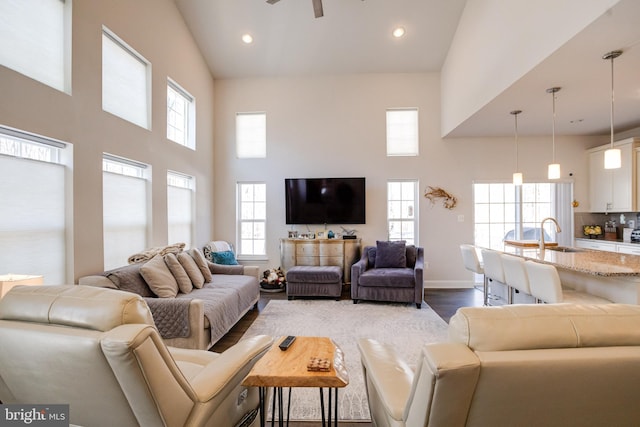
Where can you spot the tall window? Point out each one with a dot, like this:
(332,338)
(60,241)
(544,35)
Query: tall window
(251,135)
(181,115)
(402,132)
(35,40)
(33,223)
(252,219)
(402,218)
(180,208)
(126,81)
(125,209)
(504,211)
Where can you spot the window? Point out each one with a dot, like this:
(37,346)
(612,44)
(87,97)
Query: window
(504,211)
(402,132)
(35,40)
(402,218)
(181,114)
(252,219)
(33,223)
(126,81)
(180,208)
(251,135)
(125,209)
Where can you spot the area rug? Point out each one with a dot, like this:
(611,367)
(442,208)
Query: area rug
(401,325)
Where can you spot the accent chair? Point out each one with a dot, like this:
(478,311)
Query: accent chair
(389,271)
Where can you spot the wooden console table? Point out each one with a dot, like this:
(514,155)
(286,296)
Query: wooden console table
(279,369)
(341,252)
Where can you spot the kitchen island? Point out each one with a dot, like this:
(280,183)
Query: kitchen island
(611,275)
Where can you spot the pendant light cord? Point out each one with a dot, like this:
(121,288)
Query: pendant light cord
(612,99)
(553,129)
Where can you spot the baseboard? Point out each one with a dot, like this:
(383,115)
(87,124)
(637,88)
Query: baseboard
(449,284)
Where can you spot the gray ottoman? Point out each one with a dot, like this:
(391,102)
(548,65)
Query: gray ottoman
(314,281)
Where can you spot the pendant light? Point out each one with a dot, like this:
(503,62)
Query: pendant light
(554,168)
(517,176)
(612,157)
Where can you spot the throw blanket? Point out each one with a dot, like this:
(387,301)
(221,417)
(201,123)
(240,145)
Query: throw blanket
(171,316)
(147,254)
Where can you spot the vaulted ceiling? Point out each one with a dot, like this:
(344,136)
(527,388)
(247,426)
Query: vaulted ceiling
(354,36)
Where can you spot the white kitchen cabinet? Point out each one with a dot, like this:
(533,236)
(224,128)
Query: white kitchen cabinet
(599,245)
(614,190)
(628,248)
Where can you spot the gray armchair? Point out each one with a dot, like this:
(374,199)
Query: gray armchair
(389,271)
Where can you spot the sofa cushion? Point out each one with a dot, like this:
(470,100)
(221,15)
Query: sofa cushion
(178,271)
(159,277)
(201,262)
(412,256)
(128,278)
(391,254)
(387,277)
(224,257)
(192,269)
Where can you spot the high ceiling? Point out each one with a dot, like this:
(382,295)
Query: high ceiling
(354,36)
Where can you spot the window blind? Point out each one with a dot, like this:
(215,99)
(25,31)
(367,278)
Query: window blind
(180,212)
(125,81)
(35,40)
(402,132)
(124,217)
(32,219)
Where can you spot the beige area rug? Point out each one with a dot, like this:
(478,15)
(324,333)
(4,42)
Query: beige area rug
(401,325)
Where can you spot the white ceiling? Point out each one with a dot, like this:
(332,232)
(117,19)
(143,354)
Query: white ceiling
(354,36)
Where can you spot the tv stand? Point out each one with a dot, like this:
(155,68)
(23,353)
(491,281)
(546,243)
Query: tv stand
(343,253)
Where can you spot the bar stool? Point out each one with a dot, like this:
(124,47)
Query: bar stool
(545,285)
(515,274)
(472,263)
(493,270)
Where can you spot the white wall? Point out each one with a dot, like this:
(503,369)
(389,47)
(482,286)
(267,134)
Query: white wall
(335,126)
(157,31)
(497,42)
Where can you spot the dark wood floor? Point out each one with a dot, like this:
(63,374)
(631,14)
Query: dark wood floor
(445,302)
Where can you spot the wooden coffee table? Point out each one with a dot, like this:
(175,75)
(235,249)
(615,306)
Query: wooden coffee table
(279,369)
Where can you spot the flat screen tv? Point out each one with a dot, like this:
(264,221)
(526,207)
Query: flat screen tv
(325,200)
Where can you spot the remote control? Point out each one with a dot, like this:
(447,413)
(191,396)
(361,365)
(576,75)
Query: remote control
(286,343)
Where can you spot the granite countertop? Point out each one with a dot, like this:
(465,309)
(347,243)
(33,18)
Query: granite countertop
(597,263)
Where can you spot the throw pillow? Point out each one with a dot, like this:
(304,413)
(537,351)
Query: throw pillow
(178,271)
(224,257)
(190,266)
(201,261)
(128,278)
(412,255)
(159,278)
(391,254)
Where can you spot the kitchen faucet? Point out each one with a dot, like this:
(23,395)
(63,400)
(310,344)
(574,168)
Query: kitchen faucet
(558,230)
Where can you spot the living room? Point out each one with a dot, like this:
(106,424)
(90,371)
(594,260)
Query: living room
(318,125)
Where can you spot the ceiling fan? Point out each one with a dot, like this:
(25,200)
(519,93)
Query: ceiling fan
(317,7)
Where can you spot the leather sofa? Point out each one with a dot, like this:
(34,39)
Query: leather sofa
(98,351)
(519,365)
(196,316)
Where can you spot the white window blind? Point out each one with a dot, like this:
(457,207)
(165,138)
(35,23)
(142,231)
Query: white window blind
(35,40)
(32,217)
(252,219)
(180,115)
(126,79)
(251,135)
(180,208)
(125,212)
(402,132)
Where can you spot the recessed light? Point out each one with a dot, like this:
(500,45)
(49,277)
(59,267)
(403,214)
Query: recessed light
(398,32)
(247,38)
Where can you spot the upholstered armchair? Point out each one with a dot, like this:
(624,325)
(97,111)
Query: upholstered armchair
(223,257)
(389,271)
(98,351)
